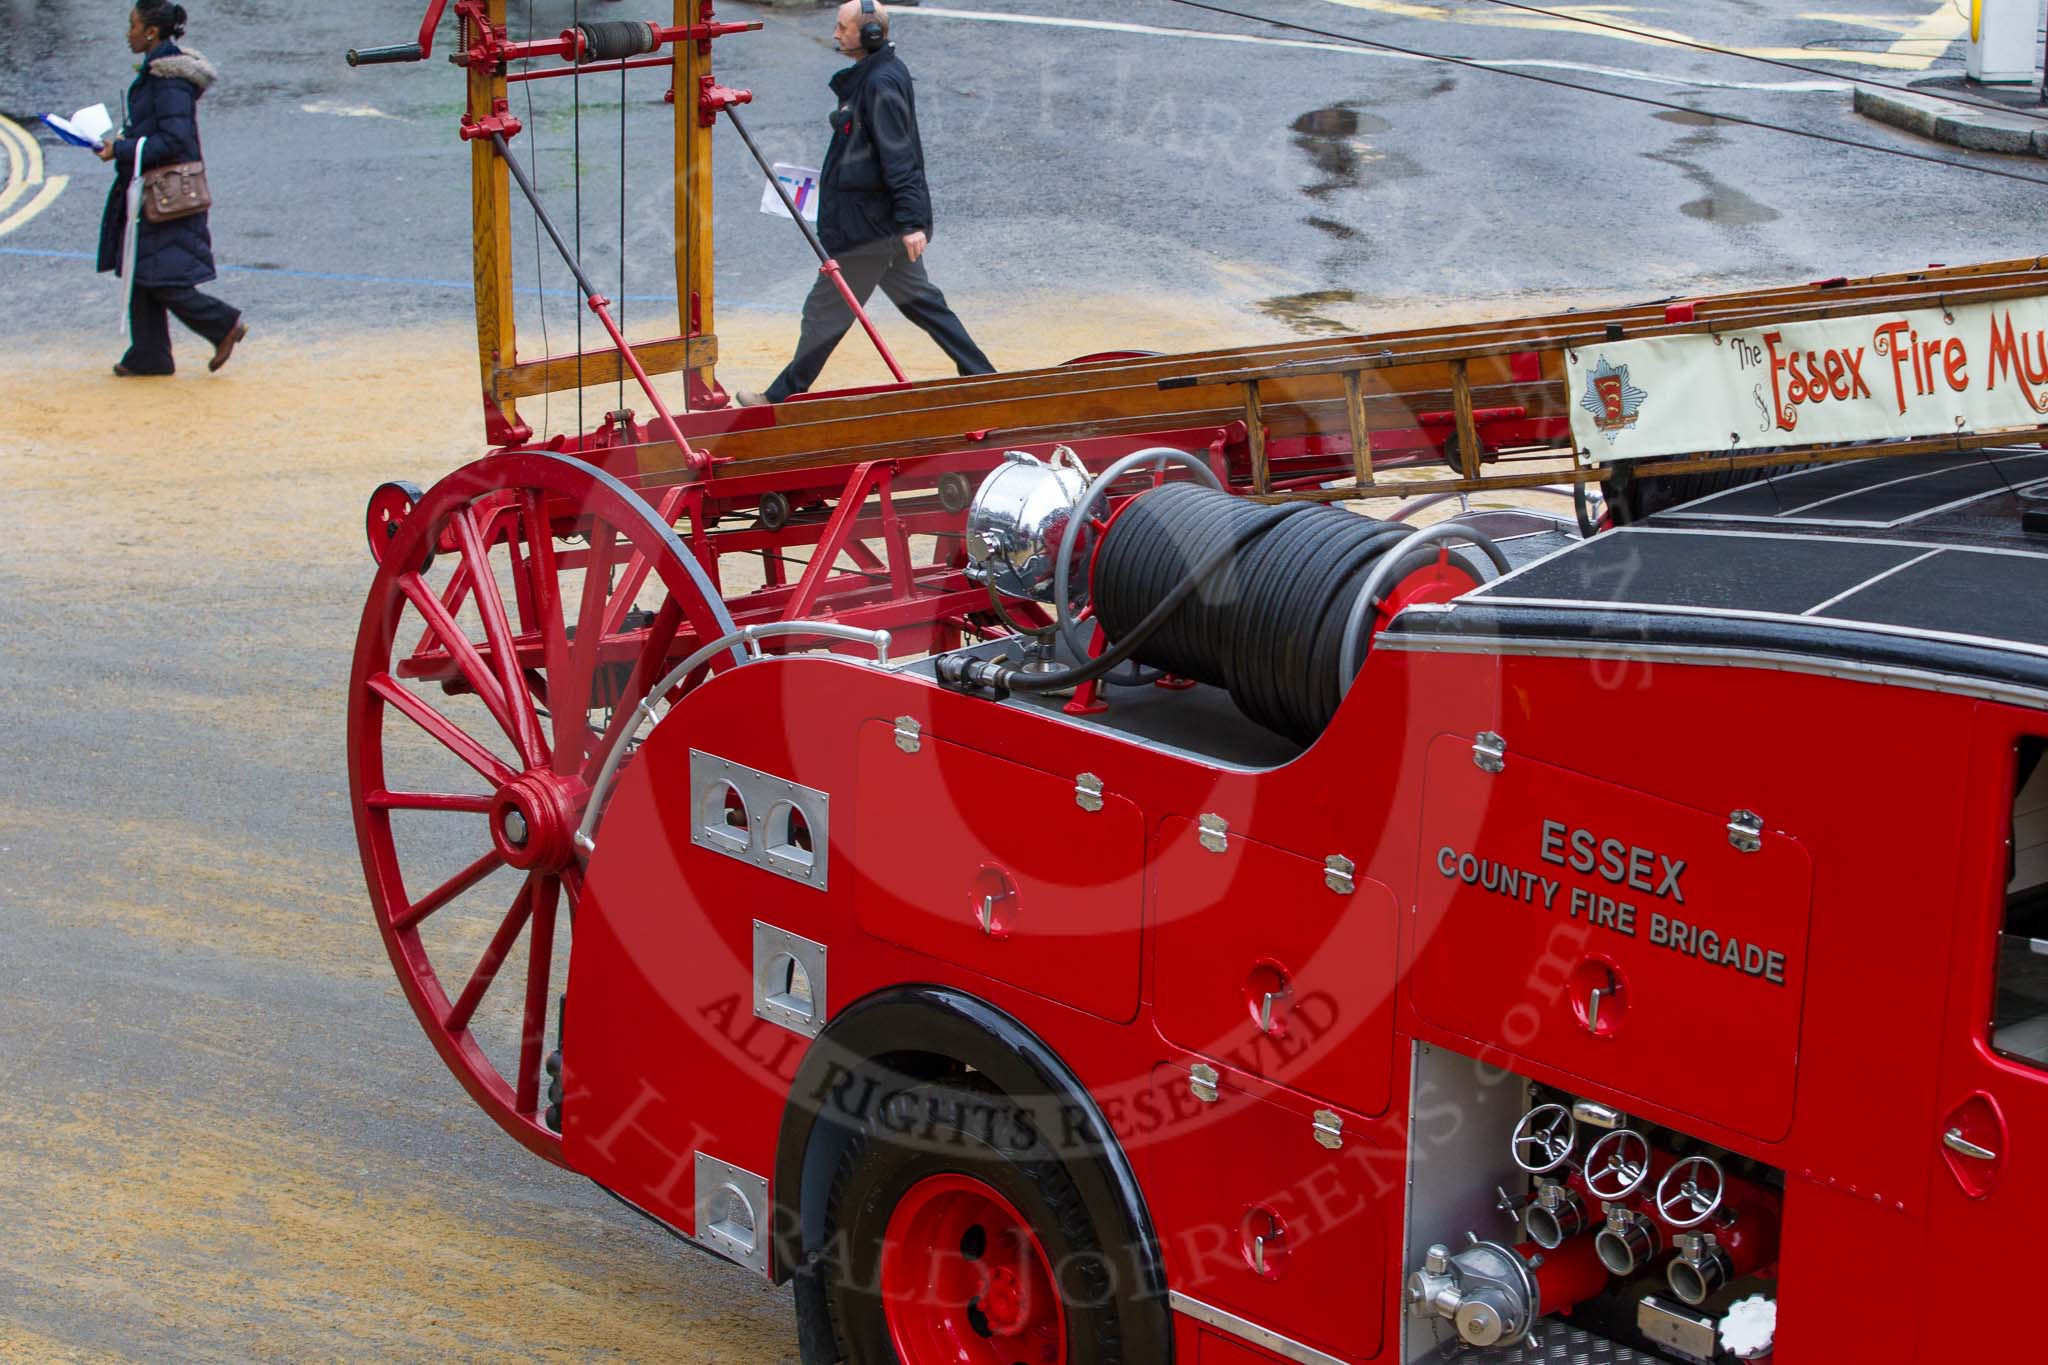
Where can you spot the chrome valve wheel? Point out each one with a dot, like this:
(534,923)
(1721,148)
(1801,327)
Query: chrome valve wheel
(1544,1139)
(1618,1165)
(1691,1191)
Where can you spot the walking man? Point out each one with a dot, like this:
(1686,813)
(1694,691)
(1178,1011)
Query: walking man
(874,209)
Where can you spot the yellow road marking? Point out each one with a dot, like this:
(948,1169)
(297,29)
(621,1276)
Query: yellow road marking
(17,172)
(45,197)
(32,149)
(1918,39)
(25,173)
(1909,52)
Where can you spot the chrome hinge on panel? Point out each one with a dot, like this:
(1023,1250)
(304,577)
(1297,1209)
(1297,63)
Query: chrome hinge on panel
(1202,1080)
(1329,1128)
(908,734)
(1338,873)
(1746,831)
(1088,792)
(1489,751)
(1603,1116)
(1215,833)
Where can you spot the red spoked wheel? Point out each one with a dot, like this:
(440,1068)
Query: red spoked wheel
(965,1280)
(485,696)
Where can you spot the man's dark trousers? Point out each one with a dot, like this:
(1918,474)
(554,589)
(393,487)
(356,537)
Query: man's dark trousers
(149,323)
(887,263)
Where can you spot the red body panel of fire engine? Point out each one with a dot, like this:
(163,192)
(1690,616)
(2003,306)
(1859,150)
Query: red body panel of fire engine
(665,1058)
(1569,1275)
(1559,888)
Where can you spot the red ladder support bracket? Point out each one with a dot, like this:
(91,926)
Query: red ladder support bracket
(499,124)
(869,478)
(714,99)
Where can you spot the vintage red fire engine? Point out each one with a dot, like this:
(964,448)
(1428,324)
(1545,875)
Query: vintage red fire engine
(1113,902)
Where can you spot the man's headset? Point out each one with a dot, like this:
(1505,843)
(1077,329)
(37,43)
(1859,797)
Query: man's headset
(873,37)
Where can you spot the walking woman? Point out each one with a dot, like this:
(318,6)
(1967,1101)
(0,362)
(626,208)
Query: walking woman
(170,258)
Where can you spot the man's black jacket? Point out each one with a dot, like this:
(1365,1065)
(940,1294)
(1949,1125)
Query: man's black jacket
(872,184)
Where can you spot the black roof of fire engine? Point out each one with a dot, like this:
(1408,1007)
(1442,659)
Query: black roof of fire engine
(1911,565)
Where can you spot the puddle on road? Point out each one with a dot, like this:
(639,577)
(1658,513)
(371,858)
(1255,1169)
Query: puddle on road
(1305,314)
(1334,139)
(1729,208)
(1339,121)
(1720,204)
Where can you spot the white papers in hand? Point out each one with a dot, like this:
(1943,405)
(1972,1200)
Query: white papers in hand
(802,184)
(86,128)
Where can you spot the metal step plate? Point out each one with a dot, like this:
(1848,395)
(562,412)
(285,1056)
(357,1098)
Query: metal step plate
(1564,1344)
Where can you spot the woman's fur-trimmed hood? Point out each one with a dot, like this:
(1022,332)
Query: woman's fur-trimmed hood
(186,66)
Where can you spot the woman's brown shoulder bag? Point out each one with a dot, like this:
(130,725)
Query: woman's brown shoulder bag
(177,191)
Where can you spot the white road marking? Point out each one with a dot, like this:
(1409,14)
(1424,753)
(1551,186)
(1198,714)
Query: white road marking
(1353,50)
(25,173)
(1916,45)
(340,110)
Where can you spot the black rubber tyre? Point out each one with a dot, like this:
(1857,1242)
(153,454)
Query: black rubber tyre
(966,1127)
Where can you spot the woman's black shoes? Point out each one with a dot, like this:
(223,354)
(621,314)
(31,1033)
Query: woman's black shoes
(227,346)
(221,352)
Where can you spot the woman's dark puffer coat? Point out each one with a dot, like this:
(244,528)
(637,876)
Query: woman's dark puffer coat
(163,106)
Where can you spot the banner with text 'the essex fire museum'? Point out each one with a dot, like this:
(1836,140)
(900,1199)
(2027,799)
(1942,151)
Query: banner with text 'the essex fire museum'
(1873,377)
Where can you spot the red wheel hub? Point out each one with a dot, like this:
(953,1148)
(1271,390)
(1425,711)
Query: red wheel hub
(1441,580)
(965,1281)
(534,820)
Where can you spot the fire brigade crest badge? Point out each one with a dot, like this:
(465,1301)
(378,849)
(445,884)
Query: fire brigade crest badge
(1613,401)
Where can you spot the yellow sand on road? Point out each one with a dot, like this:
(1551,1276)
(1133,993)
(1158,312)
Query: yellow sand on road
(230,1203)
(250,1198)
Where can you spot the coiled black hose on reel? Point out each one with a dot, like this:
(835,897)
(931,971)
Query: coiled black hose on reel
(1251,598)
(616,39)
(1271,629)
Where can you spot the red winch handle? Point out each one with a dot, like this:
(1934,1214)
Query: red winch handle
(403,52)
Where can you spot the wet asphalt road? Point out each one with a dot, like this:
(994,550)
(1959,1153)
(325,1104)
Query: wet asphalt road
(1322,183)
(225,1138)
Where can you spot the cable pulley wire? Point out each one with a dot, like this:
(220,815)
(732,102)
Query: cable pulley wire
(685,220)
(1697,46)
(1736,119)
(547,393)
(576,94)
(621,407)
